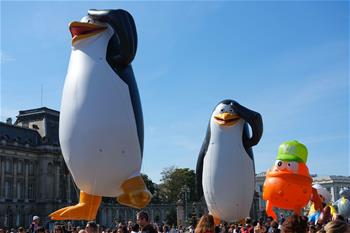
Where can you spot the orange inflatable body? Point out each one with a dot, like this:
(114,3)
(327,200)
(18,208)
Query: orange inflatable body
(289,187)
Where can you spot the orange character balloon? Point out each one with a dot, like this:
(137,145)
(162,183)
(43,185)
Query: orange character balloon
(288,184)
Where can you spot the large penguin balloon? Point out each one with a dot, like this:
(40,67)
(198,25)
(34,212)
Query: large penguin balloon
(225,166)
(101,123)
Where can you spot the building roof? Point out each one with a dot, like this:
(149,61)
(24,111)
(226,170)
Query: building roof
(21,135)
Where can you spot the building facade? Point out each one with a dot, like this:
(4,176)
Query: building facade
(34,179)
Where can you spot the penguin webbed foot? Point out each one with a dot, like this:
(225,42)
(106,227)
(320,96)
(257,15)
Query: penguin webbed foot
(135,193)
(86,209)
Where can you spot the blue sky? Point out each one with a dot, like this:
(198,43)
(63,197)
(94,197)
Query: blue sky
(288,60)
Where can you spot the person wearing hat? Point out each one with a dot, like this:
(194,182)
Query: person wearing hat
(288,185)
(35,224)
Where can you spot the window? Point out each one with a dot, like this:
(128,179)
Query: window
(31,191)
(50,169)
(8,166)
(8,189)
(19,167)
(20,190)
(31,169)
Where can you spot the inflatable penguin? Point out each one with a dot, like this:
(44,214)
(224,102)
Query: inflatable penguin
(225,166)
(101,122)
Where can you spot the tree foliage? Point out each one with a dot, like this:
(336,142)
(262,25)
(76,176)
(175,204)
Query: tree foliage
(174,180)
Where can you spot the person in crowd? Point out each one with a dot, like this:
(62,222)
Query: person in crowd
(82,231)
(143,221)
(295,224)
(181,229)
(2,230)
(58,229)
(165,228)
(40,230)
(248,227)
(205,224)
(312,229)
(260,227)
(35,224)
(21,230)
(274,227)
(268,221)
(337,226)
(135,228)
(122,229)
(91,227)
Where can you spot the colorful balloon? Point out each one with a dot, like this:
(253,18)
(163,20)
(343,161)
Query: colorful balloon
(343,203)
(101,122)
(225,167)
(288,185)
(326,198)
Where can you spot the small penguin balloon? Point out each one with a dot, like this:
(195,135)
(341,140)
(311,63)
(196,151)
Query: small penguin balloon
(101,122)
(288,185)
(225,166)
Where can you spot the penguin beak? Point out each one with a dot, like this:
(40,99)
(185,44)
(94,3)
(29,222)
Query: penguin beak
(226,119)
(81,30)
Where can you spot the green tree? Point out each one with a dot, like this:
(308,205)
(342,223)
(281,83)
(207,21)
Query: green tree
(173,182)
(154,189)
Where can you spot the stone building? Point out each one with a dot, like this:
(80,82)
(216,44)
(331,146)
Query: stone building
(34,179)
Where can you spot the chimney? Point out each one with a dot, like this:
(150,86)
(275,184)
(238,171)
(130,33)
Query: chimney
(9,121)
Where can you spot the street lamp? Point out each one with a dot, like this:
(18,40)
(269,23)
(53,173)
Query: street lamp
(186,192)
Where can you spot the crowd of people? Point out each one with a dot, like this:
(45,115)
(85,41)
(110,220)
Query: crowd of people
(206,224)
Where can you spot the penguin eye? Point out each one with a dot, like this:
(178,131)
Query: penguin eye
(222,110)
(231,110)
(279,164)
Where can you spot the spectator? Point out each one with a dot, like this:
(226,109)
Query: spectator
(205,224)
(40,230)
(165,228)
(294,224)
(58,229)
(143,221)
(91,227)
(248,228)
(274,227)
(135,228)
(21,230)
(35,224)
(337,226)
(122,229)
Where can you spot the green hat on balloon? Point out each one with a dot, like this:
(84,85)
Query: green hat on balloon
(292,151)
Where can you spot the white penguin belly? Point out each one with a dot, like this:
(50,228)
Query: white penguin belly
(228,178)
(98,132)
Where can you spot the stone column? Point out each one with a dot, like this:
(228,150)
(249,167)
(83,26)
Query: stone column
(57,182)
(14,192)
(180,212)
(69,200)
(26,174)
(2,166)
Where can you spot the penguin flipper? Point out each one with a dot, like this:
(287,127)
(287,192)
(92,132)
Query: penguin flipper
(254,120)
(200,162)
(125,29)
